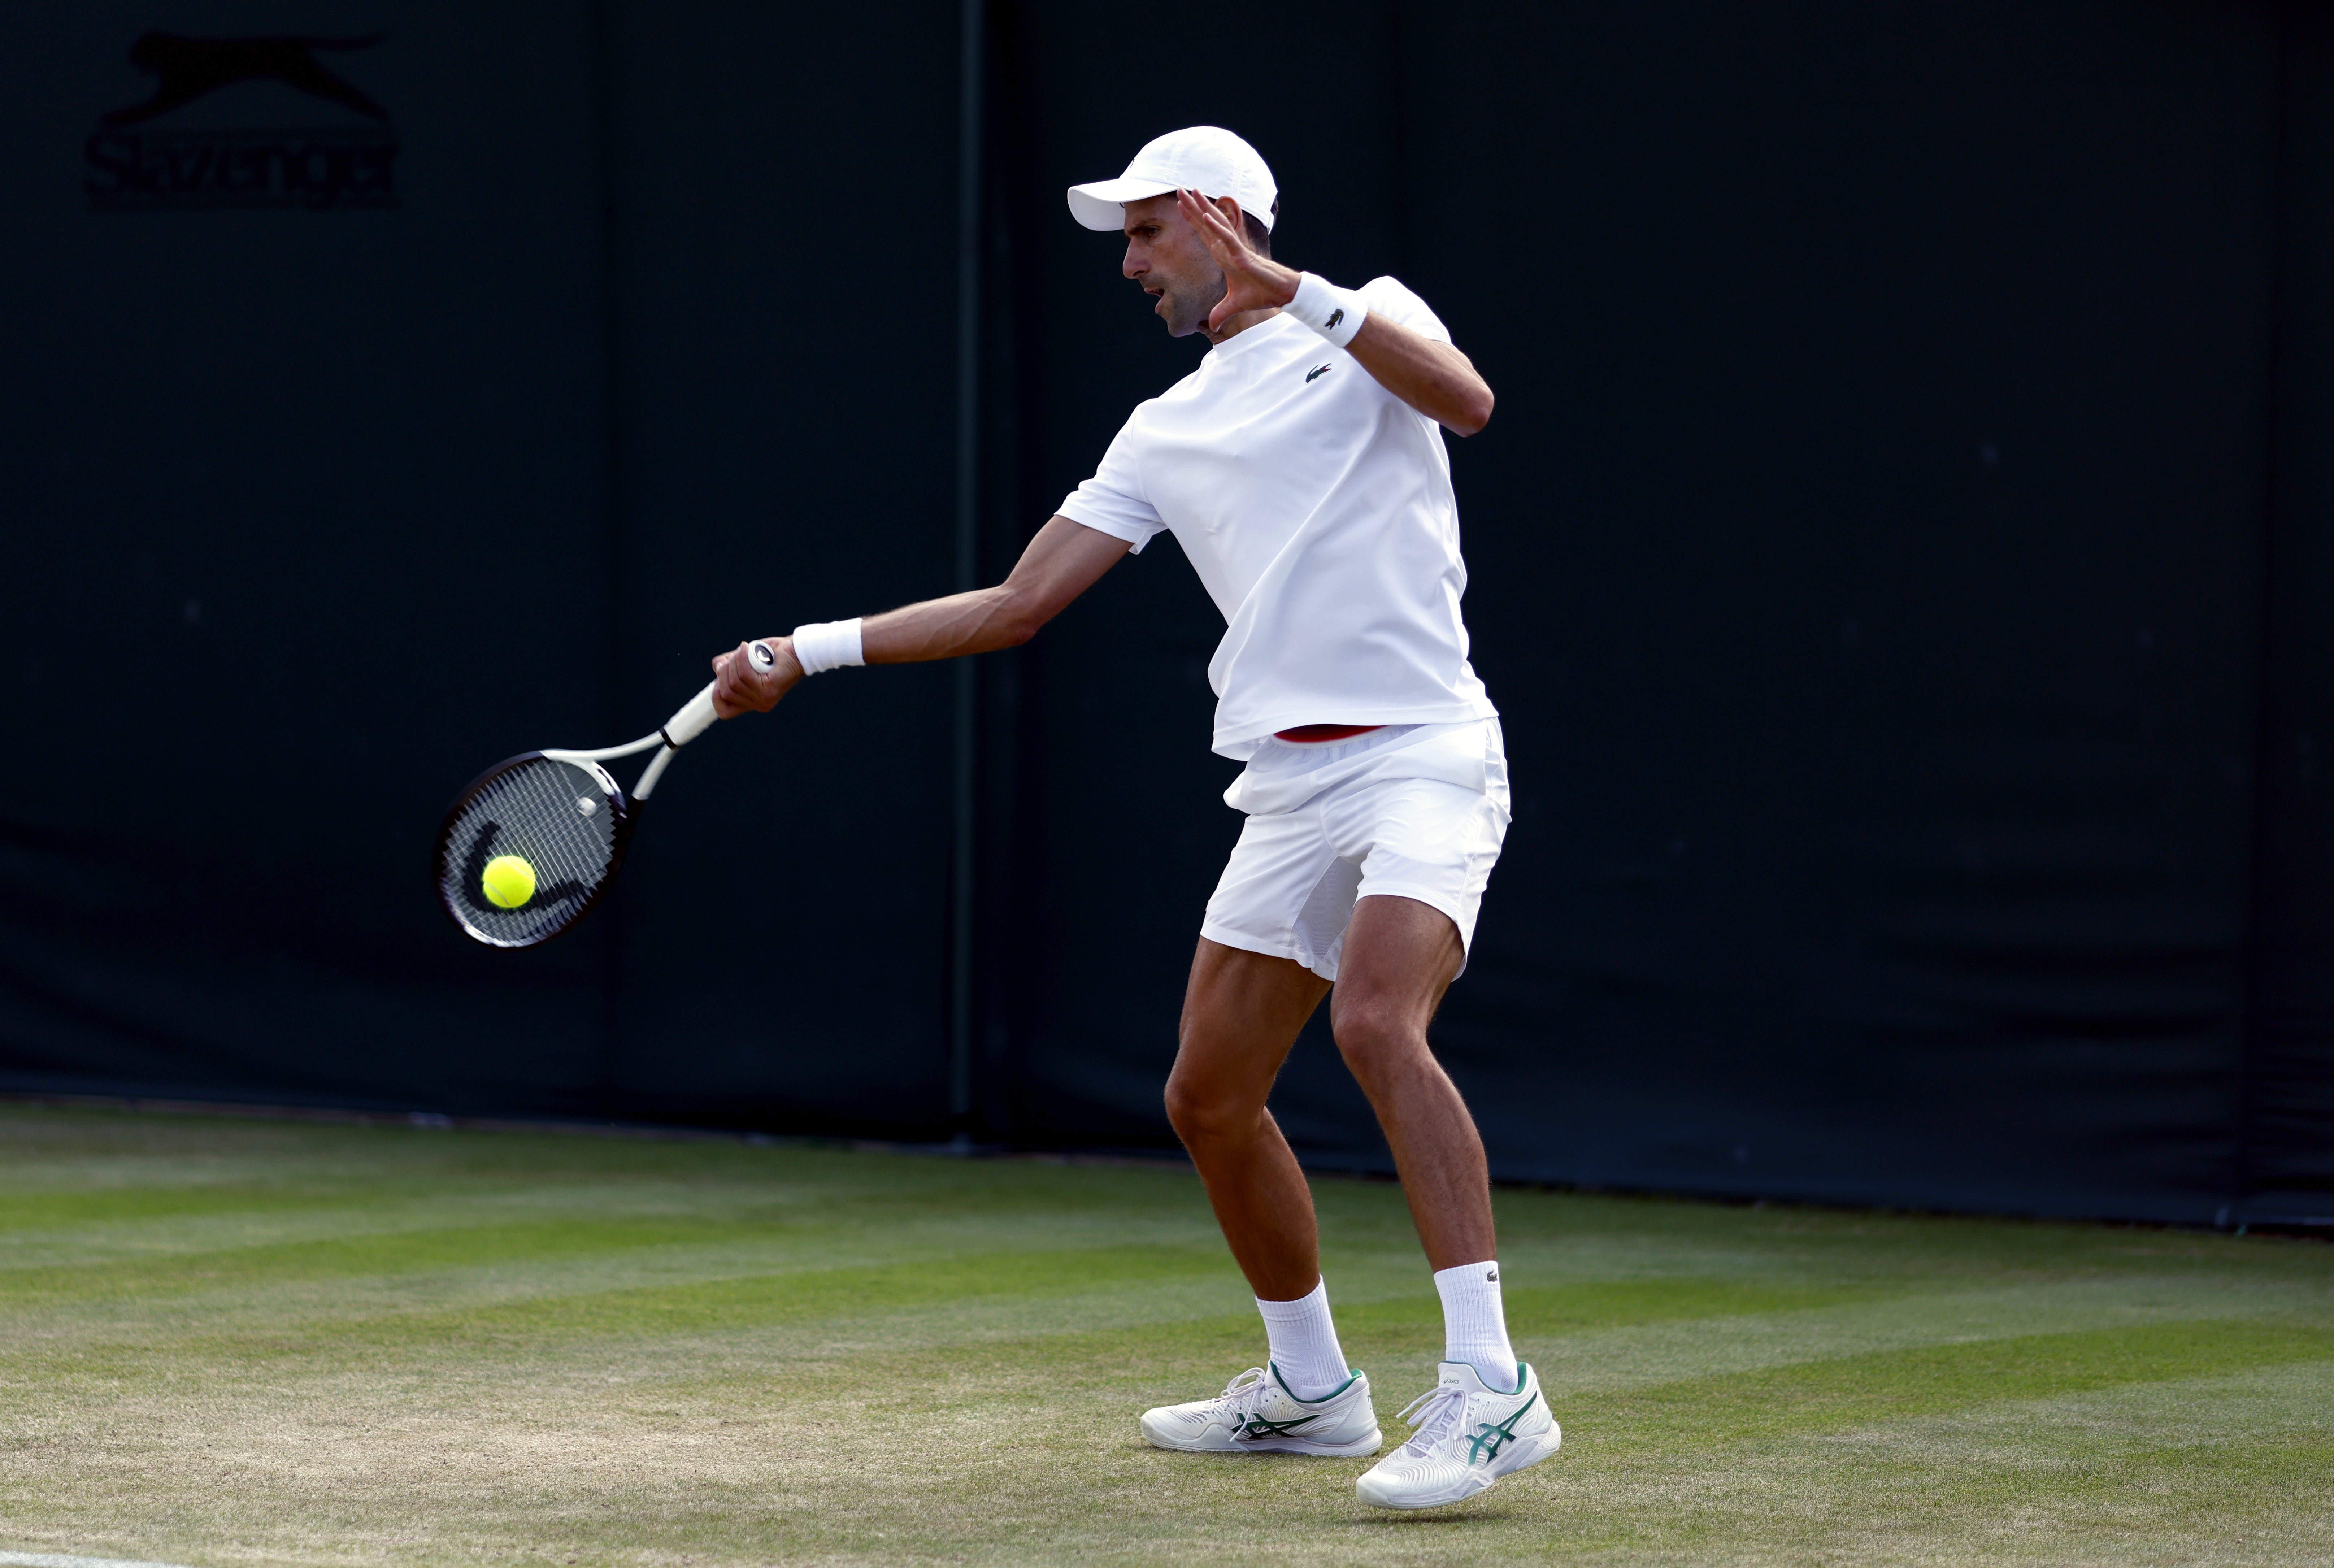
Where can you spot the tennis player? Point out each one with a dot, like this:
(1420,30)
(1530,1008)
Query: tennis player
(1301,468)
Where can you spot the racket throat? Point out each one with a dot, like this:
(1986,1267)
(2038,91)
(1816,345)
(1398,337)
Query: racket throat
(654,771)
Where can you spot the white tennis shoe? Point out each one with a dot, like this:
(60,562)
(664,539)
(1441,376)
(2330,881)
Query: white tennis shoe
(1467,1437)
(1256,1413)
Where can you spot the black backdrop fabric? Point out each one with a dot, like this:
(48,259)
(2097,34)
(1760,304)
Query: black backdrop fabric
(1899,556)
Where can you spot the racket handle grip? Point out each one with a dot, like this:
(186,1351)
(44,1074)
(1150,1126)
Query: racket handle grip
(698,716)
(695,717)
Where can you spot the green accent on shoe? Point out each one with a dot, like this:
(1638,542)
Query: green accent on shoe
(1258,1426)
(1523,1370)
(1352,1374)
(1486,1444)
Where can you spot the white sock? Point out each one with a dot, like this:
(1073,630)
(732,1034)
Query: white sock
(1305,1344)
(1475,1322)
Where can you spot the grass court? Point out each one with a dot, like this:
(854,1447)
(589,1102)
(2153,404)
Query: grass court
(240,1342)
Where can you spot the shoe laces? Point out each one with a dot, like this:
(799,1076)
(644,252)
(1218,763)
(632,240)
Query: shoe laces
(1240,1399)
(1244,1393)
(1442,1407)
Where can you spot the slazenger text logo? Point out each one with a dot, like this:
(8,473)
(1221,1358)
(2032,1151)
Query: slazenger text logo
(131,162)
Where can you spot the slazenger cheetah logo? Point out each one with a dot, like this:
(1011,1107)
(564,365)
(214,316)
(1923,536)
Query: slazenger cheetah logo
(187,68)
(137,159)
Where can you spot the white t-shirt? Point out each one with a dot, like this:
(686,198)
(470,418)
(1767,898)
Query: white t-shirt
(1317,509)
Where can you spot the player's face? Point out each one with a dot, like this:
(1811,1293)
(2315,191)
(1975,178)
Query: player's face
(1165,255)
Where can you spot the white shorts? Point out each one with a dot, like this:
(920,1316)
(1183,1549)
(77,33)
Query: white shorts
(1416,811)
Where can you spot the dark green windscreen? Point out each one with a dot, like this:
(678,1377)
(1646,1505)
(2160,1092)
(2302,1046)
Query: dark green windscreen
(1900,555)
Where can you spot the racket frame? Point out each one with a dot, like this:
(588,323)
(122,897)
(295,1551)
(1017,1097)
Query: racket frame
(620,840)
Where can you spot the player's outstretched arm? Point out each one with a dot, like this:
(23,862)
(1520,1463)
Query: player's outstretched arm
(1433,378)
(1062,562)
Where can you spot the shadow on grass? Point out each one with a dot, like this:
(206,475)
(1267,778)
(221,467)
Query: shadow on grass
(1450,1516)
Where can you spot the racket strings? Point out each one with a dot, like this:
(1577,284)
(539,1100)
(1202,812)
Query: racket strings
(555,815)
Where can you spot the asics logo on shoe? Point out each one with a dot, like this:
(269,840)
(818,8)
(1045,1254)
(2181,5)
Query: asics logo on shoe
(1489,1439)
(1258,1426)
(1316,370)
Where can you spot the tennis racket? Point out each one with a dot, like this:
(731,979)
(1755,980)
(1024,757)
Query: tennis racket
(530,847)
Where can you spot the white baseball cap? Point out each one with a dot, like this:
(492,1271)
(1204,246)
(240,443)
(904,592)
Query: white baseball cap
(1207,159)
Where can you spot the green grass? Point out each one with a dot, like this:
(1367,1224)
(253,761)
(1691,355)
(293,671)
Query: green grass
(226,1342)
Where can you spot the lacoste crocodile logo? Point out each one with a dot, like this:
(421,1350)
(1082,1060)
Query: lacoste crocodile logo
(1316,370)
(1336,316)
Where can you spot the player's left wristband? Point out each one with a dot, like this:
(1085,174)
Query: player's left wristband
(823,645)
(1337,314)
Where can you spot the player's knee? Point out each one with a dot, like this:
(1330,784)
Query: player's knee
(1201,1113)
(1371,1039)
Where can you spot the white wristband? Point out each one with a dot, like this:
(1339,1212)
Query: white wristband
(1337,314)
(828,645)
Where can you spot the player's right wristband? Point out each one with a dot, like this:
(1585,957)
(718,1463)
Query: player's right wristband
(828,645)
(1337,314)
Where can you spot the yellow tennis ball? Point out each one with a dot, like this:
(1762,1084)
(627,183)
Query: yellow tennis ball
(510,881)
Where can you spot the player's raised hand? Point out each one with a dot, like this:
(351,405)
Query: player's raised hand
(1251,282)
(741,685)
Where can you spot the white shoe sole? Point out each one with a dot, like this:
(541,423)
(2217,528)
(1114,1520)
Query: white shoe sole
(1214,1439)
(1525,1451)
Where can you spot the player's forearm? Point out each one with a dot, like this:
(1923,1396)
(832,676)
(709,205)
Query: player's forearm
(961,623)
(1432,377)
(1061,563)
(981,622)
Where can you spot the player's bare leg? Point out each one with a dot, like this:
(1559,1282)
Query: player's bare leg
(1241,1014)
(1474,1425)
(1240,1017)
(1400,956)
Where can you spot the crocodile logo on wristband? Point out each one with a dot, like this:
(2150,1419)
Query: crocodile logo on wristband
(1336,316)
